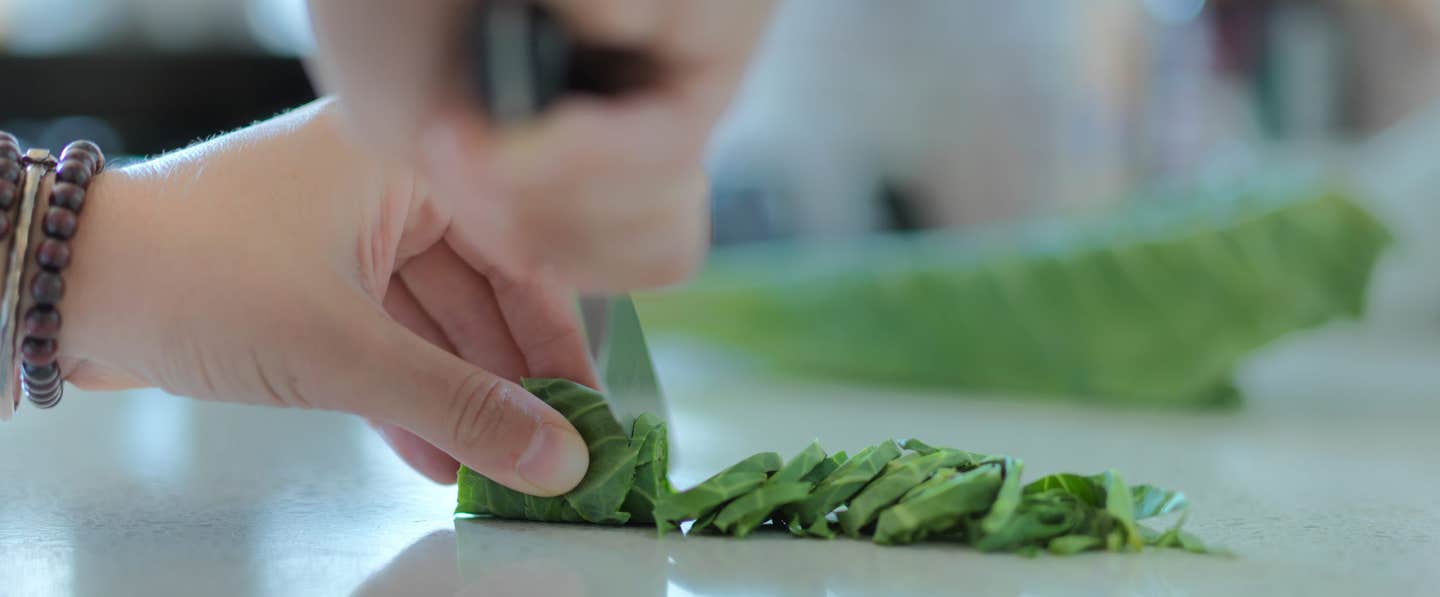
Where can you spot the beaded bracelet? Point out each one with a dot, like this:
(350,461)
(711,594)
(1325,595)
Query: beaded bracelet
(40,376)
(11,182)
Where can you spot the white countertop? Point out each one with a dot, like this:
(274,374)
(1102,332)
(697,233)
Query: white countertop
(145,494)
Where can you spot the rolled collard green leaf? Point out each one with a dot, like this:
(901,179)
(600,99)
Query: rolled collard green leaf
(601,493)
(652,474)
(900,476)
(711,494)
(1007,500)
(940,506)
(1151,501)
(747,512)
(1073,308)
(846,481)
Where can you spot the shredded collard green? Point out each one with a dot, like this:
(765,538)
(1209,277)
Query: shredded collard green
(896,493)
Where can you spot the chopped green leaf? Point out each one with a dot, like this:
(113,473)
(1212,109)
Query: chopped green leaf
(1008,498)
(749,511)
(846,481)
(901,475)
(901,495)
(1152,501)
(940,506)
(652,474)
(714,492)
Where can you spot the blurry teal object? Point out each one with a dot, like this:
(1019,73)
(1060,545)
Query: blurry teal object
(1154,304)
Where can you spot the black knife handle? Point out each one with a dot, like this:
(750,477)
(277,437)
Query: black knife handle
(521,43)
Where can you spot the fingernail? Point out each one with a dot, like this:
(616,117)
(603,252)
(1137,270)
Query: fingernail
(555,461)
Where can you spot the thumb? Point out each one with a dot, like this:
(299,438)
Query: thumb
(383,371)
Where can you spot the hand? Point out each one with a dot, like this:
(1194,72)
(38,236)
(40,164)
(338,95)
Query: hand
(282,266)
(610,194)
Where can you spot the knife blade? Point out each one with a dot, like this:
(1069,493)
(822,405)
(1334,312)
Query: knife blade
(524,62)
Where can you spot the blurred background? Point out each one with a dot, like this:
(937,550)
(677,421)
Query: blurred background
(944,195)
(864,118)
(931,113)
(858,116)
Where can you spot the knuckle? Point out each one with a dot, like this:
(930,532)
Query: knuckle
(478,409)
(676,266)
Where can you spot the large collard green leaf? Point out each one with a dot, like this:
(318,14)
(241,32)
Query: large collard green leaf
(786,486)
(900,476)
(940,505)
(652,475)
(601,493)
(711,494)
(1070,308)
(847,480)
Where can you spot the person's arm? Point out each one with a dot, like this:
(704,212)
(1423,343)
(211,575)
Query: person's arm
(282,266)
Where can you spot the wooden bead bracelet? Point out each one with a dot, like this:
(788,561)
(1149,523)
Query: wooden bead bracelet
(23,181)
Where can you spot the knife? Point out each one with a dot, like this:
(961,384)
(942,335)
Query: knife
(524,62)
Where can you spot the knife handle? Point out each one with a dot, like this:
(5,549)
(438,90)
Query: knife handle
(525,60)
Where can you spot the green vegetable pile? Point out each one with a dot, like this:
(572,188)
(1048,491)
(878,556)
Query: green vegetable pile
(1155,305)
(897,493)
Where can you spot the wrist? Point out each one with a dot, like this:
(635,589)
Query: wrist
(110,299)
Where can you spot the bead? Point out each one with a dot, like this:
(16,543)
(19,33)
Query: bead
(60,223)
(97,157)
(8,192)
(53,255)
(47,288)
(10,171)
(74,171)
(42,321)
(9,151)
(41,373)
(68,195)
(91,161)
(38,351)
